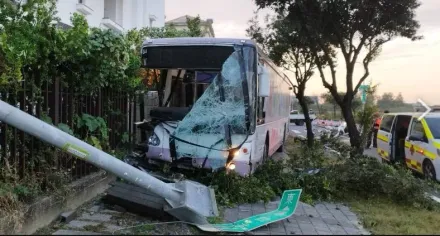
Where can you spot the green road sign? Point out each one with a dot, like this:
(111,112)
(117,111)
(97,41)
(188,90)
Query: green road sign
(364,89)
(364,97)
(286,208)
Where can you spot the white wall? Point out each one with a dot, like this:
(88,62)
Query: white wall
(157,8)
(98,12)
(127,13)
(66,8)
(131,14)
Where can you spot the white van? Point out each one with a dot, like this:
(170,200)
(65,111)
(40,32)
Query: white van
(402,137)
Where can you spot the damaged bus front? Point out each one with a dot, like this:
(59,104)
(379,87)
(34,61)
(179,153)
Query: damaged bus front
(207,90)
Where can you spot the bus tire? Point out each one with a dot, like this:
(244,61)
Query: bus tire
(429,170)
(266,150)
(281,148)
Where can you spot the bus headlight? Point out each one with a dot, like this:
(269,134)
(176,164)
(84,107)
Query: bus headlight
(231,166)
(154,140)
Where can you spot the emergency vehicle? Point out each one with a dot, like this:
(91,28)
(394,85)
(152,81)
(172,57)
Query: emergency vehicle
(403,138)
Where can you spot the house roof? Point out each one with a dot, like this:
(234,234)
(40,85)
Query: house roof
(181,21)
(63,26)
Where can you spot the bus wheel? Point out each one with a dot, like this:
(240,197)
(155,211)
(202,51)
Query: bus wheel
(428,170)
(281,148)
(265,152)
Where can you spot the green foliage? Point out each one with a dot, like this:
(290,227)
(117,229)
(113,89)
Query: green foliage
(193,25)
(340,179)
(96,131)
(366,177)
(356,29)
(393,104)
(231,189)
(19,192)
(85,58)
(85,61)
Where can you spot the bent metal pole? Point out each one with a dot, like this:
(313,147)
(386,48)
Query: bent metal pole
(46,132)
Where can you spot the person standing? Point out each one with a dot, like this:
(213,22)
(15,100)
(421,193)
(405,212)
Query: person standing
(374,130)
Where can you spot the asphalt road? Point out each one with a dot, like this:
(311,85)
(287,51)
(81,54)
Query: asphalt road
(296,131)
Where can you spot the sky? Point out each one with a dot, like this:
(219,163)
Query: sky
(403,66)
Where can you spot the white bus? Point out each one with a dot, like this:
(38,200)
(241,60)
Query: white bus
(224,104)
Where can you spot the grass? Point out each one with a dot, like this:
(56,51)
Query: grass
(95,228)
(382,216)
(143,229)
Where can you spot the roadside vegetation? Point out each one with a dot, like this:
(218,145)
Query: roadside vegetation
(83,62)
(389,199)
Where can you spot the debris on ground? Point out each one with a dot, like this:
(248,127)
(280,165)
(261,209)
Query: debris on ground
(96,217)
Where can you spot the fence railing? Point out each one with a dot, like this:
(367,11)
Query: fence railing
(22,155)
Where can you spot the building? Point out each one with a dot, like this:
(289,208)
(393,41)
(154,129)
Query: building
(206,25)
(117,15)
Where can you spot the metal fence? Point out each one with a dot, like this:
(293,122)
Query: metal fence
(22,155)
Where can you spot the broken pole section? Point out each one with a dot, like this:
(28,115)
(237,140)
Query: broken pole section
(179,196)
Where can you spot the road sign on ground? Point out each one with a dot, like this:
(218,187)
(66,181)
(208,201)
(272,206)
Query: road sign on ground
(286,208)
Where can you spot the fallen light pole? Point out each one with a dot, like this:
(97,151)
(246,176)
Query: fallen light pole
(187,200)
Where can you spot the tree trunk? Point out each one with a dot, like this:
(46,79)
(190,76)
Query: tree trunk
(334,111)
(353,132)
(304,107)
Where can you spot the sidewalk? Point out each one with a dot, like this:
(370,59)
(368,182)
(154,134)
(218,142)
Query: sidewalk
(96,218)
(321,219)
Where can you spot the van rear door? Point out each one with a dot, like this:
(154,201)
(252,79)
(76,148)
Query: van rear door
(384,136)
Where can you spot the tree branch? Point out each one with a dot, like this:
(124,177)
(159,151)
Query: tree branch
(367,59)
(323,48)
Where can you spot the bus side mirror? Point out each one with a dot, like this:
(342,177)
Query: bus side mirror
(263,82)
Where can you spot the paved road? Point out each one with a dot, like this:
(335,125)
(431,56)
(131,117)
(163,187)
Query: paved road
(296,131)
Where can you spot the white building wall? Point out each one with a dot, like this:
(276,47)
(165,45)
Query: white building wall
(128,14)
(97,6)
(65,10)
(156,8)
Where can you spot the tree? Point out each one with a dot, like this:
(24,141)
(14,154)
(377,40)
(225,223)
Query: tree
(291,52)
(194,29)
(328,98)
(356,29)
(386,101)
(356,104)
(399,99)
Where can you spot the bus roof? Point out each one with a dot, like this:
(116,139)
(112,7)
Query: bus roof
(197,41)
(187,41)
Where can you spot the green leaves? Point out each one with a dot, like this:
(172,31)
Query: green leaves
(96,130)
(88,59)
(65,128)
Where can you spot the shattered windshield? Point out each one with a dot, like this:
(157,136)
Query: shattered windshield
(219,121)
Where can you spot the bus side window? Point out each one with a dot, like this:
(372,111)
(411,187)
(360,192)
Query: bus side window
(260,111)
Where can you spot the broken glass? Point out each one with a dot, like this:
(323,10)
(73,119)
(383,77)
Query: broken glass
(217,121)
